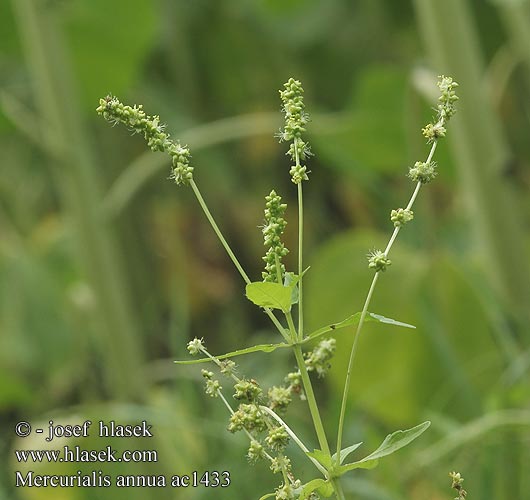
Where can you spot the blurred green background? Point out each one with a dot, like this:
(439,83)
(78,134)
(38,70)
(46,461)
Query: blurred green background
(107,269)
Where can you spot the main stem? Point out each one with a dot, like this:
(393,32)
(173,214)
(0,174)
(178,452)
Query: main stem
(300,262)
(300,245)
(310,395)
(338,488)
(311,400)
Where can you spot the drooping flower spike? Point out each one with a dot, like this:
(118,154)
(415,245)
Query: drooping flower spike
(136,120)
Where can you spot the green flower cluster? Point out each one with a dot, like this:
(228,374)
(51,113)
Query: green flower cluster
(287,492)
(456,484)
(294,379)
(255,452)
(279,398)
(292,491)
(249,417)
(401,216)
(247,390)
(433,131)
(213,386)
(423,172)
(228,367)
(378,261)
(318,359)
(277,439)
(426,171)
(136,120)
(295,121)
(195,346)
(280,463)
(272,232)
(445,109)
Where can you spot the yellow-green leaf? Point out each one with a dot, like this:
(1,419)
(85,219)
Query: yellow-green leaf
(270,295)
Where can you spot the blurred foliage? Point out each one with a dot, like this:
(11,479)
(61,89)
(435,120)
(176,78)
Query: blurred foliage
(107,269)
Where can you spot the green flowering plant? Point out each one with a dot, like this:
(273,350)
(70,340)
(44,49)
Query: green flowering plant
(260,414)
(456,484)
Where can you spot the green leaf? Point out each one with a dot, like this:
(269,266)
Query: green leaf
(268,495)
(240,352)
(271,295)
(361,464)
(353,320)
(345,452)
(399,439)
(350,320)
(389,321)
(392,443)
(296,277)
(321,457)
(291,281)
(311,486)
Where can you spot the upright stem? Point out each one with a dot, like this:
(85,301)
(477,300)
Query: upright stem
(300,262)
(338,489)
(300,246)
(365,310)
(311,400)
(292,328)
(350,365)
